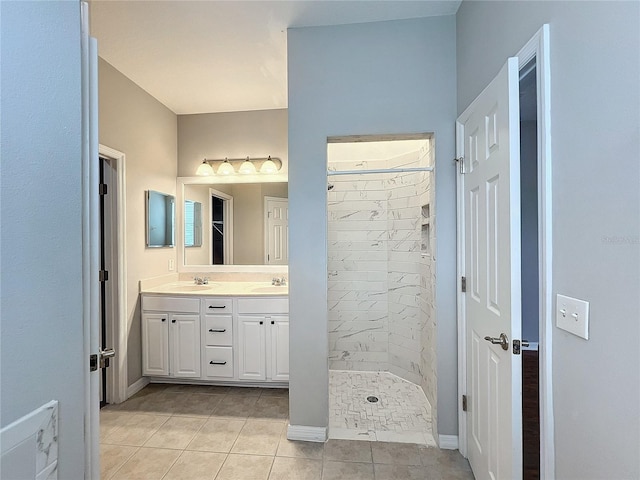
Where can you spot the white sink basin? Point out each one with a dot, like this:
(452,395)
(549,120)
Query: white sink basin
(283,289)
(192,288)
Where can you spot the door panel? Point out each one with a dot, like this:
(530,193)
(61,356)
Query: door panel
(155,338)
(277,231)
(279,348)
(251,351)
(491,188)
(185,351)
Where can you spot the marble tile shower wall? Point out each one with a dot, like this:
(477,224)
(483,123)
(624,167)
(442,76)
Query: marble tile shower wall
(357,267)
(376,315)
(404,230)
(428,350)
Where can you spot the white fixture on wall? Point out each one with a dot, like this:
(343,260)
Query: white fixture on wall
(572,315)
(245,166)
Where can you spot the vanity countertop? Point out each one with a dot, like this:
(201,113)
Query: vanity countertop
(224,289)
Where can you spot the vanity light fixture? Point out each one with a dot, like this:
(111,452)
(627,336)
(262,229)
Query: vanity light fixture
(247,168)
(226,168)
(204,169)
(269,166)
(244,166)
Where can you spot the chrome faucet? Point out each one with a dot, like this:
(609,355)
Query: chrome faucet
(201,280)
(278,281)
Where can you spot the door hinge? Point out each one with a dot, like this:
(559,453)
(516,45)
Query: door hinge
(93,362)
(516,347)
(103,275)
(460,162)
(463,284)
(102,189)
(464,403)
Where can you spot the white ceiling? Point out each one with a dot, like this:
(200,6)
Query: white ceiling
(224,56)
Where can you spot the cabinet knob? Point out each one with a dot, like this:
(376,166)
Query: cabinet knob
(261,322)
(173,321)
(164,319)
(273,322)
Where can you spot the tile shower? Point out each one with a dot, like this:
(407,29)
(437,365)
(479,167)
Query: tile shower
(381,283)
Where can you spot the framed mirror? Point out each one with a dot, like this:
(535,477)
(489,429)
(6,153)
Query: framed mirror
(160,210)
(244,223)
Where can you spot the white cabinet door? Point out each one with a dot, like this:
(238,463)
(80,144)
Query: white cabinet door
(251,347)
(279,354)
(155,344)
(185,345)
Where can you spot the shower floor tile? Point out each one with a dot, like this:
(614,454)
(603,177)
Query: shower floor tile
(401,414)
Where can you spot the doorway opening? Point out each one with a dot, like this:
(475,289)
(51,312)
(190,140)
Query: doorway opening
(530,274)
(221,225)
(113,331)
(381,284)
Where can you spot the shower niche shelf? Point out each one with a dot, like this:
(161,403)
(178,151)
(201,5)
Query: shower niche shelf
(425,239)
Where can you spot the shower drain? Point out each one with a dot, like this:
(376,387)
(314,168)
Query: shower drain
(372,399)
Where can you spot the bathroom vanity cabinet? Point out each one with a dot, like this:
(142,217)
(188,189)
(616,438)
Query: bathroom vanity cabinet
(263,333)
(215,339)
(172,327)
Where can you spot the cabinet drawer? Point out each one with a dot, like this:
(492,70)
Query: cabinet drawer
(219,362)
(218,305)
(263,305)
(170,304)
(218,330)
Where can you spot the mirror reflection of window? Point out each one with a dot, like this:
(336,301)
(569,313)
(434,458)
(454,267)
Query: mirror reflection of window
(192,224)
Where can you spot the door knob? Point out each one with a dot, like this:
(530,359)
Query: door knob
(502,340)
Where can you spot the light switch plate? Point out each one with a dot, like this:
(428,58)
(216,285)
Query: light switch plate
(572,315)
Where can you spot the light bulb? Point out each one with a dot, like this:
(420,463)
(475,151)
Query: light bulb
(226,168)
(247,167)
(268,166)
(204,169)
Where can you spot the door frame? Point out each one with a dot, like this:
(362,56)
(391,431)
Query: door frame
(538,46)
(117,377)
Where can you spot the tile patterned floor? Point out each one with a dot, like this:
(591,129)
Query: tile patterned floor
(225,433)
(402,413)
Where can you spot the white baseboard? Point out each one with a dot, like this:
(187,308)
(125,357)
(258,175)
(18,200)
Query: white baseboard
(137,386)
(448,442)
(306,433)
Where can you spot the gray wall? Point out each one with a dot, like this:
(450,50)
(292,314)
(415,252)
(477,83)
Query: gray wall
(388,77)
(596,210)
(136,124)
(42,353)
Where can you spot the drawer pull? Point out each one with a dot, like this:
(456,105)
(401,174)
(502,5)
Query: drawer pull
(217,330)
(217,306)
(217,363)
(273,322)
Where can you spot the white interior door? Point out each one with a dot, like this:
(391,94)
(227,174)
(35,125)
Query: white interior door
(277,231)
(491,265)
